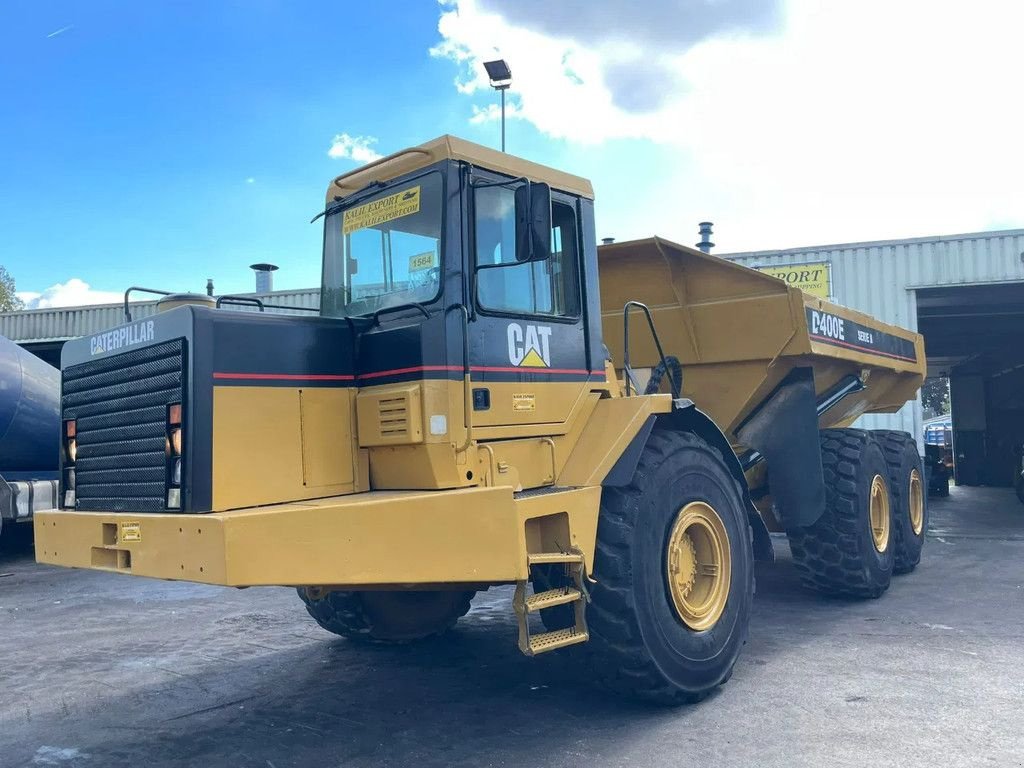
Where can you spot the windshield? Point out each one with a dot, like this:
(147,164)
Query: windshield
(384,250)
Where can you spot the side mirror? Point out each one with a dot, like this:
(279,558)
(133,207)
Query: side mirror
(533,221)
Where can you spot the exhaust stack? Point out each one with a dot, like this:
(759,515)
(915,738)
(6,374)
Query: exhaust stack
(264,276)
(705,243)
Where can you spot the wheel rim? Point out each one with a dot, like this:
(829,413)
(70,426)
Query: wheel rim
(878,511)
(916,497)
(699,565)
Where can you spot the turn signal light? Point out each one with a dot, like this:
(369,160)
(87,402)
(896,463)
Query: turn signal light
(70,427)
(174,414)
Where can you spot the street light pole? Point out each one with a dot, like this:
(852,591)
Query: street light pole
(501,78)
(503,117)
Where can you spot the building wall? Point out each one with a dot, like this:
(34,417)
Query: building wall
(881,279)
(63,323)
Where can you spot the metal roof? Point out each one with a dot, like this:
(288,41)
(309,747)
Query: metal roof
(454,148)
(63,323)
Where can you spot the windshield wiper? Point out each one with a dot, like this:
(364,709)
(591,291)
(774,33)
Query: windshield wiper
(335,207)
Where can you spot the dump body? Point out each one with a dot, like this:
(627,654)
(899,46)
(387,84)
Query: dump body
(740,333)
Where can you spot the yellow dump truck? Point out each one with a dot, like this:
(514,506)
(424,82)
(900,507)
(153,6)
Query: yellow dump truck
(488,398)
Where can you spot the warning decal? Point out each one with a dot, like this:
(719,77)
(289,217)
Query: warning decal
(524,402)
(130,532)
(377,212)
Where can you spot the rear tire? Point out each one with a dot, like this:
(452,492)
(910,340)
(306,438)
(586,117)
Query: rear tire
(842,553)
(909,504)
(641,644)
(400,616)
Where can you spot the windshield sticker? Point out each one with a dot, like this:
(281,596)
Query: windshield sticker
(379,211)
(421,261)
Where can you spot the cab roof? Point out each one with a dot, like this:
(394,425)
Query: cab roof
(453,148)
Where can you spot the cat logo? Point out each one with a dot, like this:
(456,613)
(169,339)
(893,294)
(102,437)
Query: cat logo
(529,346)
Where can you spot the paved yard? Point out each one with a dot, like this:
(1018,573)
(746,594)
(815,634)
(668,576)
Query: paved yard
(104,670)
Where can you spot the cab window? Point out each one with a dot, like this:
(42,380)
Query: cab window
(529,288)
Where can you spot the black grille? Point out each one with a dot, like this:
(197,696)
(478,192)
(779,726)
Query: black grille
(120,404)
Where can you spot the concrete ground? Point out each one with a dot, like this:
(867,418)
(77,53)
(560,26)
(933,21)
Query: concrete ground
(106,670)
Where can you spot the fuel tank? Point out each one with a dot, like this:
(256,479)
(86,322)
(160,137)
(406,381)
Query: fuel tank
(29,411)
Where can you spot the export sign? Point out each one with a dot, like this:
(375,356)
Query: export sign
(383,210)
(815,279)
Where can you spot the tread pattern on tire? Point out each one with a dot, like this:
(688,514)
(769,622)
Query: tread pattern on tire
(893,443)
(616,650)
(344,614)
(826,554)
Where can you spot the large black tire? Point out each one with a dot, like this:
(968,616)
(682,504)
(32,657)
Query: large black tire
(400,616)
(640,645)
(837,554)
(909,506)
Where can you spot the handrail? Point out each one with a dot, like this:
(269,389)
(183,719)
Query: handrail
(127,312)
(675,386)
(243,300)
(467,387)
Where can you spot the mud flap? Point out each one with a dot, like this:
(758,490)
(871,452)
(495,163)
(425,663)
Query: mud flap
(784,430)
(686,417)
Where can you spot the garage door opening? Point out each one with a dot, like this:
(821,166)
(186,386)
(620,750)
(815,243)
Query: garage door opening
(974,335)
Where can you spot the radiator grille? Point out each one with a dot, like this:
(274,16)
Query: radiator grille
(120,403)
(394,416)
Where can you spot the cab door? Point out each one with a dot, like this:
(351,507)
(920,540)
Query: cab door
(529,360)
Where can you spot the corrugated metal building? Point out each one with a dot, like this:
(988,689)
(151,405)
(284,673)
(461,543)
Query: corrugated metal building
(44,331)
(958,290)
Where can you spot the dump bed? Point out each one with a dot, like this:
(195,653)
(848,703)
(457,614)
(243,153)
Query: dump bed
(739,332)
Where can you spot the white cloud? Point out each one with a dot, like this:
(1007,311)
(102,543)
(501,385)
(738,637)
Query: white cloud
(827,121)
(75,292)
(358,148)
(492,113)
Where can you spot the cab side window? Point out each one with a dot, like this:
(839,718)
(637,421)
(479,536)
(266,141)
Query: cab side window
(529,288)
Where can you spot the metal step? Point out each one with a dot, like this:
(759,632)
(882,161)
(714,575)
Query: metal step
(551,598)
(560,638)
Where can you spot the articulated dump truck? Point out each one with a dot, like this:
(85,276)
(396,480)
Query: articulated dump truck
(487,398)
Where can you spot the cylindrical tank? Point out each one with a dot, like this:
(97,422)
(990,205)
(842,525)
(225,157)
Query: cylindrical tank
(29,411)
(172,300)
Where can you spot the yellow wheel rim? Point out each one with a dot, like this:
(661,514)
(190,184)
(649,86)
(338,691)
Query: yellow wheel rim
(699,565)
(916,497)
(878,511)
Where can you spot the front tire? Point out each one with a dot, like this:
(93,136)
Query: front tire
(391,617)
(675,579)
(848,551)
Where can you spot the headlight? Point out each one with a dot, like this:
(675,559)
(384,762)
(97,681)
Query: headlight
(72,450)
(176,441)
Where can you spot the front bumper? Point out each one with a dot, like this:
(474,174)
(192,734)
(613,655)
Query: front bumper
(380,538)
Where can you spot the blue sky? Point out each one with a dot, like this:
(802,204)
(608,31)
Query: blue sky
(162,143)
(128,139)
